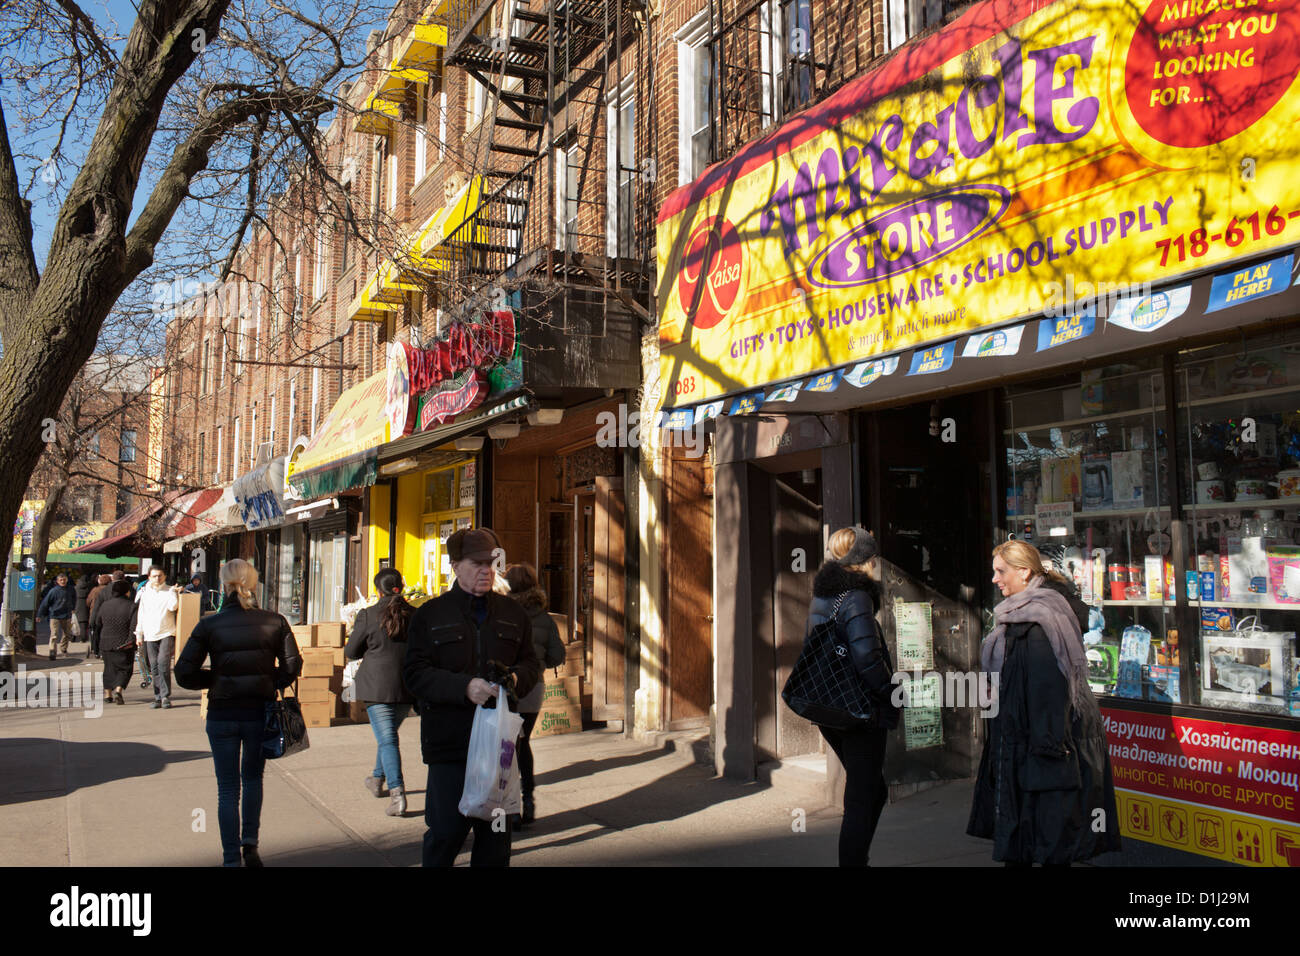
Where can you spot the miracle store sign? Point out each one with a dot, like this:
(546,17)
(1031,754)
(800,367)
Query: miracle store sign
(1018,149)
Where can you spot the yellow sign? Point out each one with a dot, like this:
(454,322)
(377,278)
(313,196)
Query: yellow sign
(357,423)
(1016,163)
(1208,831)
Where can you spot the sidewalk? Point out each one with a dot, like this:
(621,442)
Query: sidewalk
(135,787)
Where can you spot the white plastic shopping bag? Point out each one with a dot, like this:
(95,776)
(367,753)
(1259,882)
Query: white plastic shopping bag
(492,770)
(349,691)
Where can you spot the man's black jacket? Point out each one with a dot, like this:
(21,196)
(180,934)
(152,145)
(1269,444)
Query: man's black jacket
(446,649)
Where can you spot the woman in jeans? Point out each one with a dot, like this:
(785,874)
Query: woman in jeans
(845,589)
(253,656)
(379,641)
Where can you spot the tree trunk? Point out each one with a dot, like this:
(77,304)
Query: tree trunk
(41,533)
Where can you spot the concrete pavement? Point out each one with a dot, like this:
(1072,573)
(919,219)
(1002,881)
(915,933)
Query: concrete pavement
(135,787)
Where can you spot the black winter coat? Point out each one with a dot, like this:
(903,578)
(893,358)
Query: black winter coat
(546,644)
(1045,771)
(253,656)
(115,618)
(379,679)
(856,620)
(82,588)
(445,650)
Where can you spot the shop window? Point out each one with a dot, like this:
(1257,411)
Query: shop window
(1088,485)
(439,491)
(1239,421)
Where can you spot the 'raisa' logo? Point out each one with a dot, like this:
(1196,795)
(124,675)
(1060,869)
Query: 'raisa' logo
(712,274)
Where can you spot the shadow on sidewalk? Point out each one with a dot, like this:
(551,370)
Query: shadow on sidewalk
(30,774)
(586,768)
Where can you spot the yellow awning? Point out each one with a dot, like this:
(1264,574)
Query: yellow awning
(392,84)
(377,116)
(422,48)
(366,308)
(457,213)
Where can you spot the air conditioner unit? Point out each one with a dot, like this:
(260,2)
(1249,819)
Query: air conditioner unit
(263,455)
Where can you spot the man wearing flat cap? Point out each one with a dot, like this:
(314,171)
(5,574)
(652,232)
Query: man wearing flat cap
(457,645)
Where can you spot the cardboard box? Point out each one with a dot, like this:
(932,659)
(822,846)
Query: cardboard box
(339,659)
(329,634)
(318,714)
(302,633)
(316,690)
(317,668)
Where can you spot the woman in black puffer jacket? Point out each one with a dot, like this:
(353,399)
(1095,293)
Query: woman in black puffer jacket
(114,621)
(253,657)
(845,586)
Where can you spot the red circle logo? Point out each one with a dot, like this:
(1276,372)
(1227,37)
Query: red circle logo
(708,285)
(1196,77)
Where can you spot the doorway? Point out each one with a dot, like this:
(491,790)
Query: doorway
(928,474)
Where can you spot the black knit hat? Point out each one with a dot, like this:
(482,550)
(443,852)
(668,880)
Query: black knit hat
(864,548)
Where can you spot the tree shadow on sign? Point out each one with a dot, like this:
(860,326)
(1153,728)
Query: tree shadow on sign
(38,768)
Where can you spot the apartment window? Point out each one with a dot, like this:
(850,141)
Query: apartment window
(272,425)
(202,461)
(126,451)
(695,99)
(252,436)
(392,157)
(224,356)
(421,134)
(217,476)
(907,18)
(97,503)
(293,404)
(123,502)
(442,122)
(315,397)
(476,95)
(568,185)
(234,449)
(257,330)
(94,445)
(772,57)
(204,368)
(345,241)
(798,71)
(620,180)
(318,280)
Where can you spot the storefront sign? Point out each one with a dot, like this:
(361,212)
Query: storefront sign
(1146,313)
(1217,789)
(746,404)
(708,410)
(937,359)
(1054,332)
(1054,520)
(259,495)
(825,382)
(357,423)
(995,343)
(451,398)
(677,420)
(1252,282)
(468,483)
(1014,153)
(786,393)
(397,404)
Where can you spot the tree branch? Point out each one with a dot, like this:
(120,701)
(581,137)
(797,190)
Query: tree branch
(18,272)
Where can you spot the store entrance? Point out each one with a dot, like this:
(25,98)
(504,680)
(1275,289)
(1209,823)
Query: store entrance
(927,471)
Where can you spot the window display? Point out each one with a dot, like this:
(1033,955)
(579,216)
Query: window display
(1088,485)
(1240,421)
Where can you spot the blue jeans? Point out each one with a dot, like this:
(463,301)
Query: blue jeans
(226,737)
(384,721)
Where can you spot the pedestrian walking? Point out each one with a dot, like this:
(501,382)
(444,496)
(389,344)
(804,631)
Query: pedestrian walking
(114,619)
(155,628)
(378,640)
(845,591)
(459,645)
(59,604)
(1043,793)
(525,588)
(82,613)
(101,590)
(253,656)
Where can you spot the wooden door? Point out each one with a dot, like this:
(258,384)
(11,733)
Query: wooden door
(607,602)
(689,570)
(796,553)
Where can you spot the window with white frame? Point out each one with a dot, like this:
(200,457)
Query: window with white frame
(391,160)
(772,57)
(442,122)
(798,81)
(621,172)
(252,436)
(476,96)
(568,183)
(271,423)
(319,278)
(216,478)
(421,134)
(907,18)
(315,397)
(293,405)
(234,450)
(695,99)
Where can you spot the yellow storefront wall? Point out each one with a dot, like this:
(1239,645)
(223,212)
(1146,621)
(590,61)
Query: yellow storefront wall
(409,528)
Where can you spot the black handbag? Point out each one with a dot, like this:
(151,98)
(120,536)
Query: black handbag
(285,732)
(824,686)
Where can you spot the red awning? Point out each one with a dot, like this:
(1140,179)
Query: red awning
(117,540)
(182,514)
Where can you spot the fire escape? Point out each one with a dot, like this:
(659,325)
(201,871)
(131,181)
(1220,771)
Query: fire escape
(550,234)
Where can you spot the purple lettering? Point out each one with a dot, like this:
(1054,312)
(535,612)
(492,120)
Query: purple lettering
(1081,114)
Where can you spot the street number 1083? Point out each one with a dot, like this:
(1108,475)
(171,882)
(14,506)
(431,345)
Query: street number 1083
(684,386)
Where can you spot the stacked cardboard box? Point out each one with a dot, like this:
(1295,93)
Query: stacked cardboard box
(302,634)
(329,634)
(319,686)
